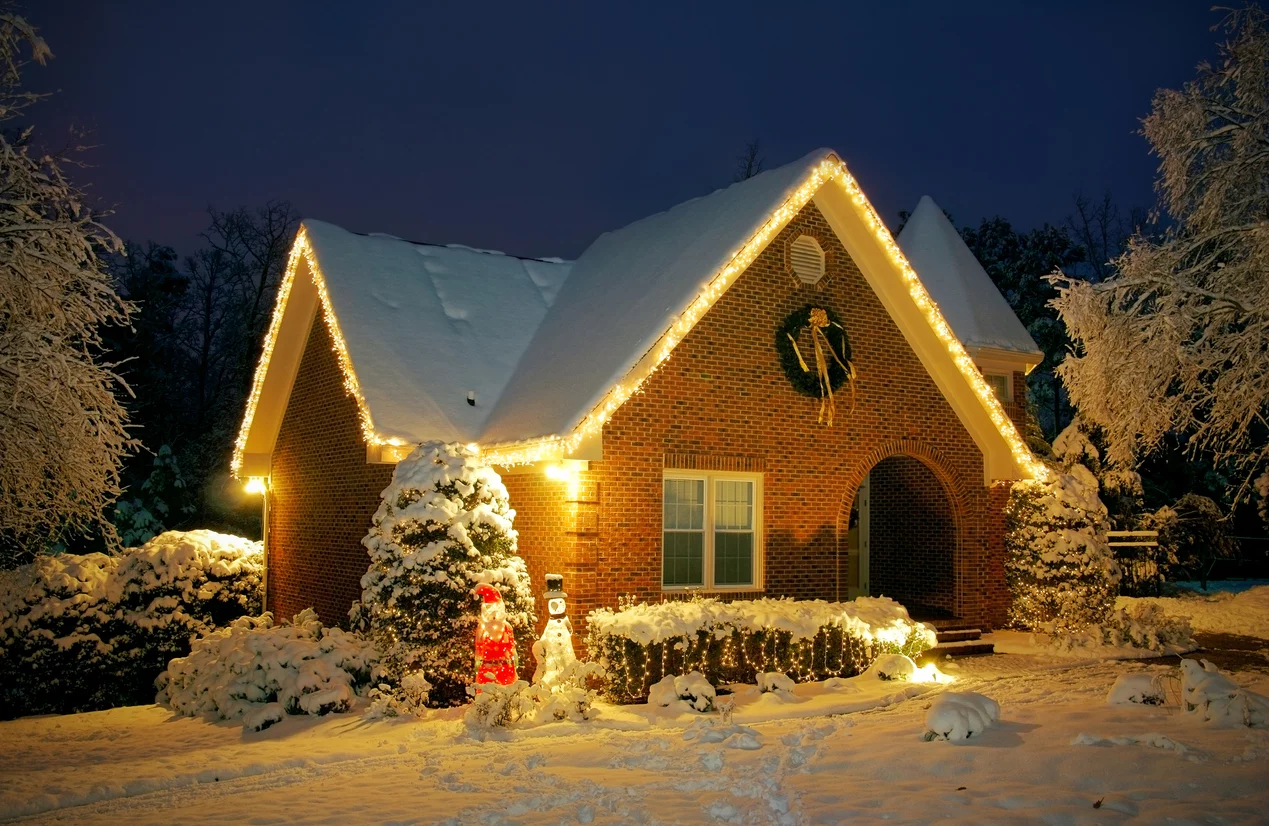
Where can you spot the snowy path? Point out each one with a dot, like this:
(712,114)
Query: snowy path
(140,766)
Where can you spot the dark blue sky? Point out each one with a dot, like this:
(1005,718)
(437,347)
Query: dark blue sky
(505,126)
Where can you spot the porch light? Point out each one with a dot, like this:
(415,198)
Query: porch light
(256,484)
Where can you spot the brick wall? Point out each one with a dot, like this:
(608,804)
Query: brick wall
(322,492)
(723,394)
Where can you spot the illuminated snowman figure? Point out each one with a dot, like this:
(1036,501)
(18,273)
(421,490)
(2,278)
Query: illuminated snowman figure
(554,651)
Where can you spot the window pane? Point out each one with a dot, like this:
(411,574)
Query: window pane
(733,558)
(682,561)
(684,504)
(733,505)
(999,385)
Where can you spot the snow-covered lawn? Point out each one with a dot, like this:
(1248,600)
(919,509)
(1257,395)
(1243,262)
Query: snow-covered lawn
(1058,754)
(1224,611)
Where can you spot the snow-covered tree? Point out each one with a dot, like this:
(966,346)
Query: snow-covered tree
(1178,339)
(62,428)
(1060,570)
(443,528)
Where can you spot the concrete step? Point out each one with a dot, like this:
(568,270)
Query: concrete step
(958,634)
(959,649)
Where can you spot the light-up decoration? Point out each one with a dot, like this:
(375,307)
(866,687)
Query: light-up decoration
(303,249)
(553,651)
(830,169)
(555,447)
(495,641)
(928,673)
(255,484)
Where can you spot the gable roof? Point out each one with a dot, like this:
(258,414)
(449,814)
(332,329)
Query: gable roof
(552,350)
(624,292)
(966,295)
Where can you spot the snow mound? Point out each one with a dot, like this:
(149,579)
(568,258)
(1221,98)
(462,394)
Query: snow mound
(253,670)
(732,736)
(959,715)
(1211,696)
(1155,740)
(892,667)
(691,688)
(1145,689)
(776,682)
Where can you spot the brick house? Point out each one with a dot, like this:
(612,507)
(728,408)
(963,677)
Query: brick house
(634,402)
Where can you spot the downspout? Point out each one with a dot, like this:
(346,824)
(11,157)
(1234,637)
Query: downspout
(264,547)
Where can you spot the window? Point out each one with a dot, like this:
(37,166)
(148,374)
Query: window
(806,258)
(999,383)
(711,536)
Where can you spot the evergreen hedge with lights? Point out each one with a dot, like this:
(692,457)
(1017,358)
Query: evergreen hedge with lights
(444,527)
(730,643)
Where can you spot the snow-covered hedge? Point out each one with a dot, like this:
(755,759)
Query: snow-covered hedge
(258,672)
(1142,625)
(639,644)
(82,632)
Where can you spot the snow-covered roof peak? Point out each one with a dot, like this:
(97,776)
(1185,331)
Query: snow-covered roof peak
(969,300)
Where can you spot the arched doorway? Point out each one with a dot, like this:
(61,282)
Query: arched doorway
(901,538)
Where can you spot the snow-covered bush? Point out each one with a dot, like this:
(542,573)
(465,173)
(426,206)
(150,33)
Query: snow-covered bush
(1143,625)
(257,672)
(82,632)
(1060,570)
(893,667)
(1143,689)
(691,688)
(1211,696)
(522,703)
(775,683)
(443,528)
(638,644)
(959,715)
(1196,538)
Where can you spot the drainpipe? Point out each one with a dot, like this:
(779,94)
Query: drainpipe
(264,546)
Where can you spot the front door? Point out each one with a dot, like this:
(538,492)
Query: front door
(858,544)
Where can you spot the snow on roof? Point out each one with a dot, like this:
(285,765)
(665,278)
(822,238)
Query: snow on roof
(425,325)
(623,293)
(969,300)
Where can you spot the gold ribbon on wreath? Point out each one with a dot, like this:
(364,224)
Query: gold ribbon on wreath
(819,323)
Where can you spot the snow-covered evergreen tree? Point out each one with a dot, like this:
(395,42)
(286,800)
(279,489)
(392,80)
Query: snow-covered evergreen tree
(62,428)
(1177,340)
(1059,567)
(443,528)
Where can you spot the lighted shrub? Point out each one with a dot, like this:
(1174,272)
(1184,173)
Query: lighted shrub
(734,642)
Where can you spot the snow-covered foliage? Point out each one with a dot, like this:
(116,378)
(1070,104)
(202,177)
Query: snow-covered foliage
(443,528)
(959,715)
(89,631)
(523,704)
(1261,485)
(257,672)
(1143,689)
(691,689)
(162,500)
(62,428)
(775,682)
(1194,534)
(640,643)
(893,667)
(1141,625)
(1060,570)
(1175,341)
(1220,612)
(1211,696)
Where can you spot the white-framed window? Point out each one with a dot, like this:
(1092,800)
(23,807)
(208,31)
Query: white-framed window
(711,530)
(1000,384)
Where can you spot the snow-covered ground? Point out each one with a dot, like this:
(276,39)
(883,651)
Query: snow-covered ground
(1243,611)
(1058,754)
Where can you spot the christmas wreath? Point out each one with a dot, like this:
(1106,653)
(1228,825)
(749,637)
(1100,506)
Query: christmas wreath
(831,353)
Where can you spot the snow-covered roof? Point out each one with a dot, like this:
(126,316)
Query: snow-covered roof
(624,291)
(425,325)
(969,300)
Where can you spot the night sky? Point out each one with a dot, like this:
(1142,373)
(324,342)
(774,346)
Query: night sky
(504,126)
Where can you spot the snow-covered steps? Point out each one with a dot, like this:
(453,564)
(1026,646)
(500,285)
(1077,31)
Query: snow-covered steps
(958,639)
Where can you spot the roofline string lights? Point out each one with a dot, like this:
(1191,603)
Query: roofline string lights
(831,168)
(556,447)
(302,248)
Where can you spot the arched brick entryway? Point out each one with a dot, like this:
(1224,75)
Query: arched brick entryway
(916,512)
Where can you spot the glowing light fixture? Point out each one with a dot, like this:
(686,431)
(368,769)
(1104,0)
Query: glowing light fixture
(256,484)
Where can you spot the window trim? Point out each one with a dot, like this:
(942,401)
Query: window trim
(711,477)
(1008,377)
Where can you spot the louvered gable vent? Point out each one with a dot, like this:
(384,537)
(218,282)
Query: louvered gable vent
(807,259)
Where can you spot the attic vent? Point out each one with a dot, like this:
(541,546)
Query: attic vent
(807,259)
